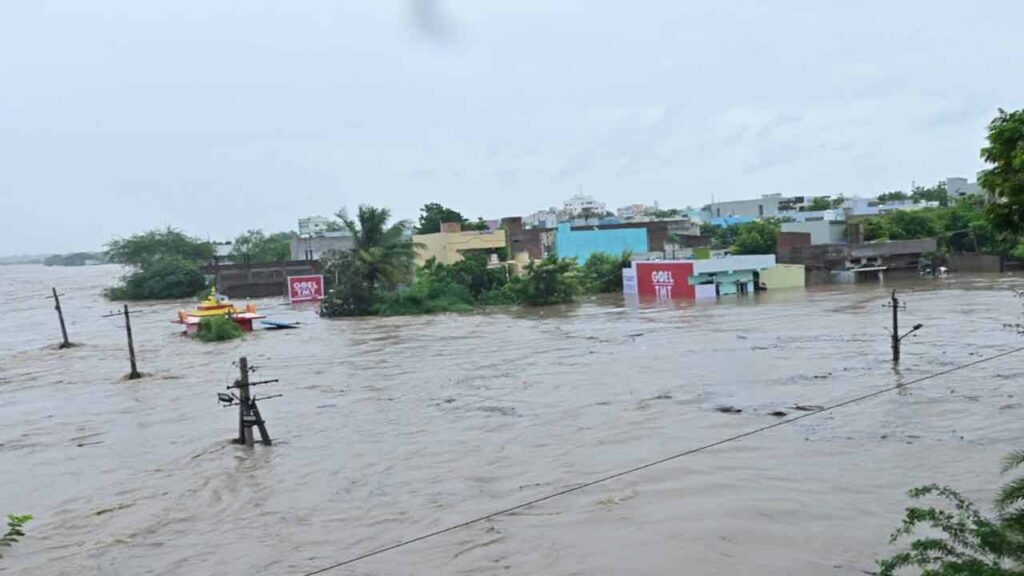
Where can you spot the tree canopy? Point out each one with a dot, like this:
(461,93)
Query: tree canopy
(1005,178)
(141,249)
(255,247)
(432,215)
(756,237)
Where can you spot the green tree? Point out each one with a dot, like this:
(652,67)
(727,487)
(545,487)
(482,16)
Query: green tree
(960,540)
(935,193)
(432,215)
(820,203)
(756,237)
(381,259)
(603,272)
(550,281)
(1005,178)
(837,202)
(255,247)
(910,224)
(894,196)
(165,264)
(142,249)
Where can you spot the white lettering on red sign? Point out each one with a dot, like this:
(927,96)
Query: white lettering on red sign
(663,283)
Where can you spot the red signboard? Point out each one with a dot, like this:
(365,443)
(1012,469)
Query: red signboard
(665,280)
(306,288)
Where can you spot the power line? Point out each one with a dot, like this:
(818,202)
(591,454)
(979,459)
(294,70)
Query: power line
(658,462)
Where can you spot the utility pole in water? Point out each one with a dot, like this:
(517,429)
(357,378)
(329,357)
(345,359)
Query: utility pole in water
(60,315)
(248,412)
(895,333)
(134,374)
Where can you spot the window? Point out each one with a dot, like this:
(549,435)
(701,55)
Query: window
(760,209)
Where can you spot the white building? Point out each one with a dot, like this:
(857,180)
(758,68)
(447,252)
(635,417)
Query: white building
(583,204)
(764,207)
(542,219)
(314,225)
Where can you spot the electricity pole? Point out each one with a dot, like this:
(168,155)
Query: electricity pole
(248,412)
(134,374)
(895,333)
(60,315)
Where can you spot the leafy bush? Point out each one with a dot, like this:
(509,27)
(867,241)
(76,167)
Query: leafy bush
(967,543)
(167,277)
(255,247)
(603,272)
(165,265)
(551,281)
(218,328)
(349,293)
(15,531)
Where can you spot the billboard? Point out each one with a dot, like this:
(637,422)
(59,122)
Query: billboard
(665,280)
(306,288)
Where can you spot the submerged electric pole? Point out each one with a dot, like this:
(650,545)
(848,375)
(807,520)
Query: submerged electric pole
(895,333)
(134,374)
(65,343)
(248,412)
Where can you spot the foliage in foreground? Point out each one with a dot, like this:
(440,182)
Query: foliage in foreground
(218,328)
(966,543)
(15,530)
(165,264)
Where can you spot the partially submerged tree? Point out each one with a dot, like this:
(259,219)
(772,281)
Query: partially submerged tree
(15,530)
(165,264)
(381,259)
(549,281)
(603,272)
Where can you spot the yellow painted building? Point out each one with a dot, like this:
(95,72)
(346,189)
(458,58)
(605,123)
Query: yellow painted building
(783,276)
(447,246)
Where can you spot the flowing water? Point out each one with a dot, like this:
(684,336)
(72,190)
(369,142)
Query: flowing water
(393,427)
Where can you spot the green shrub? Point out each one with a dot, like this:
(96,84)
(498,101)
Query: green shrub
(603,272)
(961,541)
(166,277)
(218,328)
(15,531)
(550,281)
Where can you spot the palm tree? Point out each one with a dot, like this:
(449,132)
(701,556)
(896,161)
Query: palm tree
(381,258)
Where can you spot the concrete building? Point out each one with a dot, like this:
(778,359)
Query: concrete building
(581,204)
(315,247)
(695,279)
(764,207)
(542,219)
(314,225)
(582,241)
(632,212)
(448,245)
(821,231)
(960,188)
(783,276)
(860,262)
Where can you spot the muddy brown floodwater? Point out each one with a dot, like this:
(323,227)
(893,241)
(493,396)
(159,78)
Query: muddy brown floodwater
(392,427)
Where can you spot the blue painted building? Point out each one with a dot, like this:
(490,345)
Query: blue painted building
(581,243)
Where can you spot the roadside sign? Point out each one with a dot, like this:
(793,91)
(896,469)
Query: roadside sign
(306,288)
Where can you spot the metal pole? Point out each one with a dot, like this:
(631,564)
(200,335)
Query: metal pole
(244,404)
(895,328)
(60,314)
(134,374)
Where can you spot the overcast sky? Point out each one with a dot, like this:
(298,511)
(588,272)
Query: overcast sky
(215,116)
